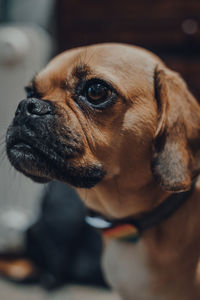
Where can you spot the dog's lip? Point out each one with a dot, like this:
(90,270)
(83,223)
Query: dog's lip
(35,147)
(19,148)
(21,145)
(26,149)
(42,162)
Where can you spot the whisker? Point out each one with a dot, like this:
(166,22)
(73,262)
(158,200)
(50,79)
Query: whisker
(2,138)
(2,142)
(12,173)
(3,153)
(2,135)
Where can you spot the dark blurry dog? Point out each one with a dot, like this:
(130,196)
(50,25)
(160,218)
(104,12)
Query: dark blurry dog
(113,121)
(61,245)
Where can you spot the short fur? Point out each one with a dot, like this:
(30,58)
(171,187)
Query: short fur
(135,151)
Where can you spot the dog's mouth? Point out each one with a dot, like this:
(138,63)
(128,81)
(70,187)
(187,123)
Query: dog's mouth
(46,158)
(35,158)
(29,161)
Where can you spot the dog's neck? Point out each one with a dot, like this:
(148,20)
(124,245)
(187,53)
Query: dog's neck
(168,242)
(114,199)
(114,203)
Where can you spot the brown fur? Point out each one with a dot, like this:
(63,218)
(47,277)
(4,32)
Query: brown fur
(148,143)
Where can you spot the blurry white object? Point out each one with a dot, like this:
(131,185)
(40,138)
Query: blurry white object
(12,225)
(24,50)
(14,45)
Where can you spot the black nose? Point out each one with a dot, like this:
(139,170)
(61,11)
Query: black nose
(35,107)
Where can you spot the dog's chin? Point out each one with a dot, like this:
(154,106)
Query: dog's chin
(44,166)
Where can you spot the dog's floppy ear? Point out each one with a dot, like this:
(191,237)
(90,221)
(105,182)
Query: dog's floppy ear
(177,140)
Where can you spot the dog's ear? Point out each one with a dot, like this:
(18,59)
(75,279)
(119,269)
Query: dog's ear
(177,140)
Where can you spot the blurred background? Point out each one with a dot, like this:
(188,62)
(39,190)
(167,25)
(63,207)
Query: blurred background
(37,245)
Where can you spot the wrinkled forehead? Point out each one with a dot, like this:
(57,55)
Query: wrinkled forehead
(118,64)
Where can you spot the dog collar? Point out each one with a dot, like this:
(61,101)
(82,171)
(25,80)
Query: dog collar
(130,229)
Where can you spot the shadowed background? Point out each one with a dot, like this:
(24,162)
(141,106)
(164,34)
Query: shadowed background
(35,222)
(170,28)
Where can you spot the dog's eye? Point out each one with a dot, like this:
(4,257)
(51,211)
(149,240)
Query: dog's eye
(97,92)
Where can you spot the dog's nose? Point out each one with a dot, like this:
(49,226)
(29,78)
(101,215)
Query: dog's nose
(35,107)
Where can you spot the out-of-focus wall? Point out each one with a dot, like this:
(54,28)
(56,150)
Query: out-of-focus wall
(169,28)
(25,47)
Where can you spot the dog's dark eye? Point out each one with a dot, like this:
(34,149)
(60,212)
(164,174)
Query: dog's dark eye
(97,93)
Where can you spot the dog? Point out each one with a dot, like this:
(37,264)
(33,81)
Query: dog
(115,123)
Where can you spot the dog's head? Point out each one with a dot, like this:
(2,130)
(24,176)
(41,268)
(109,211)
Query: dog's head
(107,111)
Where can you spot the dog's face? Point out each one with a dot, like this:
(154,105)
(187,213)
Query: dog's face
(99,112)
(77,113)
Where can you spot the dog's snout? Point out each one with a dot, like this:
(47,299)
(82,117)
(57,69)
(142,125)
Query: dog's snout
(35,107)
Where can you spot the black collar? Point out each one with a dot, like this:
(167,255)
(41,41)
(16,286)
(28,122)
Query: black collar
(132,228)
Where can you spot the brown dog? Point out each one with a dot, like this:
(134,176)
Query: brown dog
(113,121)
